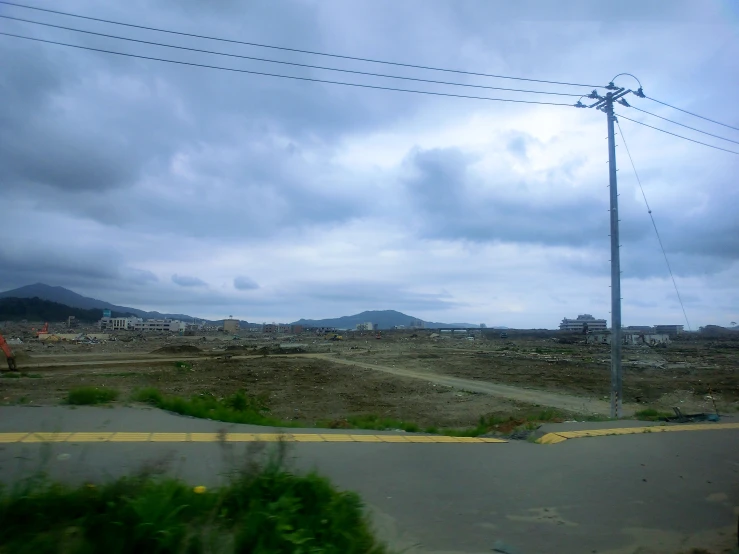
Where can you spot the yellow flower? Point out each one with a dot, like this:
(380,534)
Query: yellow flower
(200,489)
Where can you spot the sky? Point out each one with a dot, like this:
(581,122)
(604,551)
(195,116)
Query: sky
(214,193)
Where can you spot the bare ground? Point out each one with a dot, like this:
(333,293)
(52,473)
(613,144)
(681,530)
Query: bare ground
(431,381)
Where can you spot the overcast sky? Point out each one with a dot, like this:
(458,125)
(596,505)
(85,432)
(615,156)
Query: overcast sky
(213,193)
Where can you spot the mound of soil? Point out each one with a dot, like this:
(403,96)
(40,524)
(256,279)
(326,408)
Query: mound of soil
(177,349)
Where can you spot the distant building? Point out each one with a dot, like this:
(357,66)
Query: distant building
(650,339)
(171,325)
(671,330)
(578,325)
(641,328)
(231,326)
(417,324)
(282,328)
(269,328)
(319,330)
(120,323)
(367,326)
(296,329)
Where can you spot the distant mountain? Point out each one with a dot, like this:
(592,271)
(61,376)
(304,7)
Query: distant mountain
(385,319)
(74,300)
(35,309)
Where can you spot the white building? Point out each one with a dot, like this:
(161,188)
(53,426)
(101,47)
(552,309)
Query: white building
(120,323)
(171,325)
(577,325)
(367,326)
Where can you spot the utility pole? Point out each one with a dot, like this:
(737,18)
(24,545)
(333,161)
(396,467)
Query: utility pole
(616,367)
(605,104)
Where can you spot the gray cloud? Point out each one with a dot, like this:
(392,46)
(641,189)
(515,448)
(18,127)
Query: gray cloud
(188,281)
(245,283)
(115,170)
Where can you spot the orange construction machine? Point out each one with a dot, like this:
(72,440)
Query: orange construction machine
(8,353)
(43,330)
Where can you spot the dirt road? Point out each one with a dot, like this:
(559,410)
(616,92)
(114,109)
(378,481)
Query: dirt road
(554,400)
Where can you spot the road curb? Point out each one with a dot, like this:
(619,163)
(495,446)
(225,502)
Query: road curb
(72,437)
(561,436)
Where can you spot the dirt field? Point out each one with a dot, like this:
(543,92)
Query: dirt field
(682,374)
(299,389)
(306,388)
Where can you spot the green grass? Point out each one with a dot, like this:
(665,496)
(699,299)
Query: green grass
(262,510)
(120,374)
(83,396)
(381,423)
(237,408)
(18,375)
(651,414)
(244,408)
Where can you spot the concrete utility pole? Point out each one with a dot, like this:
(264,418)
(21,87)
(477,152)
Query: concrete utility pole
(616,367)
(605,104)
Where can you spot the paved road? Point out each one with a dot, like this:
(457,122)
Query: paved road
(638,494)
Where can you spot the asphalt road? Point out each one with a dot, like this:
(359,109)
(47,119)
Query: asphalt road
(635,494)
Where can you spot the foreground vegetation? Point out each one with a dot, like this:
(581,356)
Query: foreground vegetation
(263,509)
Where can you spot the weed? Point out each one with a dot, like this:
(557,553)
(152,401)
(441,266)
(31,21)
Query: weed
(381,423)
(10,375)
(91,395)
(24,400)
(650,414)
(121,374)
(262,509)
(546,415)
(237,408)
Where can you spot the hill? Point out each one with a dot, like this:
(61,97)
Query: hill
(36,309)
(71,299)
(385,319)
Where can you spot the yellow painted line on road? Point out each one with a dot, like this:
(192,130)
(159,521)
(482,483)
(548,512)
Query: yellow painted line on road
(207,437)
(169,437)
(131,437)
(233,437)
(366,438)
(561,436)
(47,437)
(90,437)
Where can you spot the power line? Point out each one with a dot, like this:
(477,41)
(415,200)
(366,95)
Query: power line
(676,135)
(284,62)
(685,111)
(260,45)
(192,64)
(681,125)
(654,224)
